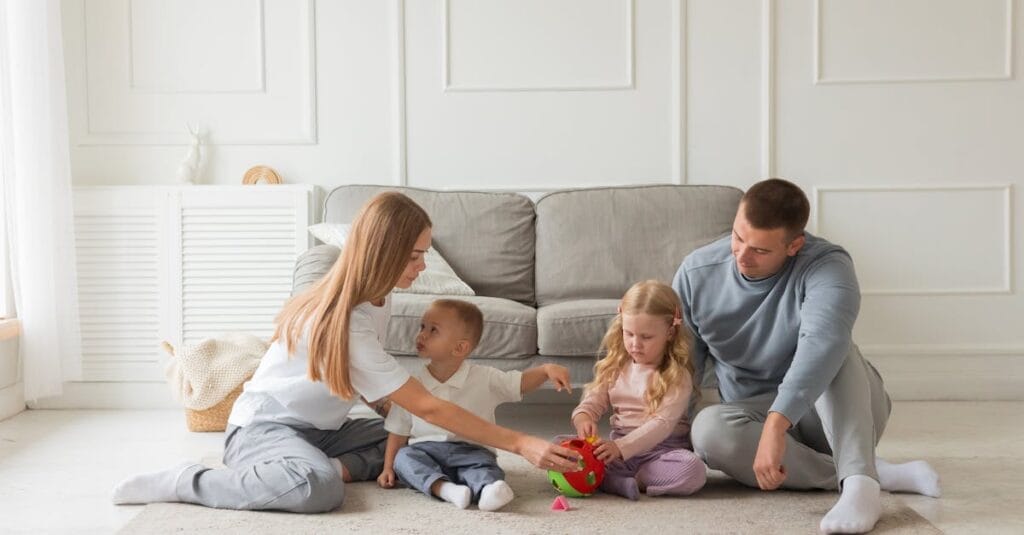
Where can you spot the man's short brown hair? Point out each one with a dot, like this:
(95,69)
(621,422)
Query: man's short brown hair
(468,313)
(776,203)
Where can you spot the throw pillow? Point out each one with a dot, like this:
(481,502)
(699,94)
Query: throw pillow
(438,279)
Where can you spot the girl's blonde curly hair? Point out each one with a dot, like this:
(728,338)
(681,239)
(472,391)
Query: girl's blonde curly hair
(657,299)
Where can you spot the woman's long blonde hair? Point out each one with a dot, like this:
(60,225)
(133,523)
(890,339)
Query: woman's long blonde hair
(656,299)
(376,253)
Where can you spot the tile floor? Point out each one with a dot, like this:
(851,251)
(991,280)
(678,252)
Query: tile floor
(57,467)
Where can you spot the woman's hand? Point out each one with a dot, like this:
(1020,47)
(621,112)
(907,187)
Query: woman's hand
(386,479)
(546,455)
(607,451)
(585,426)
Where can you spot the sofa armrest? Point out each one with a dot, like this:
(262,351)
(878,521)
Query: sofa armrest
(312,265)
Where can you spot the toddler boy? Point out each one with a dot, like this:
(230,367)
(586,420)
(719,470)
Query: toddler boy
(437,462)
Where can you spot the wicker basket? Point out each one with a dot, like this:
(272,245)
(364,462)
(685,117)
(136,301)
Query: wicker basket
(216,417)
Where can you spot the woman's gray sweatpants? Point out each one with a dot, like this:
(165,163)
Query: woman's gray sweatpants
(274,466)
(833,441)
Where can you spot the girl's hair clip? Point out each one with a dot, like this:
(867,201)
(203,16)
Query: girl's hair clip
(676,322)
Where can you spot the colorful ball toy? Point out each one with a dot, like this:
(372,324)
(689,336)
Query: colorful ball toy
(584,481)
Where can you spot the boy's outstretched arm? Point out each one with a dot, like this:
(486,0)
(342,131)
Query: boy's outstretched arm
(534,377)
(387,475)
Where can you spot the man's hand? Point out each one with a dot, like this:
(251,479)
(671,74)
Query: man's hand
(559,376)
(607,451)
(768,466)
(386,479)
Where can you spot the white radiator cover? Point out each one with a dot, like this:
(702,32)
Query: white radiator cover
(180,264)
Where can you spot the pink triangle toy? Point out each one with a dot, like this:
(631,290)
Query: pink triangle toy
(560,504)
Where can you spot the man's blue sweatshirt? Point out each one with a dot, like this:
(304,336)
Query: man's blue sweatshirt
(788,333)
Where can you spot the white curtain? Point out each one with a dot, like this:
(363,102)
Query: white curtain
(36,173)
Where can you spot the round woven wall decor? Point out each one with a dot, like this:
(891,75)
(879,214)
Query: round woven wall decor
(261,173)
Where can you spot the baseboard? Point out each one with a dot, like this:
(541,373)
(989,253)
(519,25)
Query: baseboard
(915,374)
(12,400)
(150,395)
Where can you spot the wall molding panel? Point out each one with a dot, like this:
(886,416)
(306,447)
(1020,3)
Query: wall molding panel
(627,83)
(1003,193)
(260,78)
(280,109)
(455,91)
(1003,73)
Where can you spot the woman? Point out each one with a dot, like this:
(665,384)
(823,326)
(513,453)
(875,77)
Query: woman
(290,445)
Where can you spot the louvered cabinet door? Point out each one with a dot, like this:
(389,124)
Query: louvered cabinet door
(238,246)
(121,249)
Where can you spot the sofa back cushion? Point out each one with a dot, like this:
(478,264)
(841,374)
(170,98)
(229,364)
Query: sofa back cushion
(487,238)
(595,243)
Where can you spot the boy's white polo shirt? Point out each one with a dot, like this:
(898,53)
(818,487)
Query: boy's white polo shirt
(477,389)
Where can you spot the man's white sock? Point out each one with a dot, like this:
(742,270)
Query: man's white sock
(150,487)
(458,495)
(916,476)
(495,496)
(858,508)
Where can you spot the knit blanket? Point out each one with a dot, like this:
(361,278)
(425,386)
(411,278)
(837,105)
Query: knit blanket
(203,374)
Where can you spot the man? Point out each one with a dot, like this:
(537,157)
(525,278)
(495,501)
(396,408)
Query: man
(773,308)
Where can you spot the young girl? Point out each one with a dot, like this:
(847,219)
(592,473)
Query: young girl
(647,380)
(289,444)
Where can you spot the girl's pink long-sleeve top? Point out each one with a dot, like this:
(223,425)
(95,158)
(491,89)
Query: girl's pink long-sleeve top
(641,431)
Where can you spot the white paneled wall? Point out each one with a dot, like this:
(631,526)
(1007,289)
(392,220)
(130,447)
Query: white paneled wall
(909,140)
(901,118)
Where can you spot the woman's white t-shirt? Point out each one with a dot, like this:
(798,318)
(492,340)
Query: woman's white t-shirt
(281,390)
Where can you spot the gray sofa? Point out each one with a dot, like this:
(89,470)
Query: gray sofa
(548,275)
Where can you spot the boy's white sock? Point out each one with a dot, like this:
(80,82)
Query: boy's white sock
(495,496)
(916,476)
(150,487)
(858,508)
(458,495)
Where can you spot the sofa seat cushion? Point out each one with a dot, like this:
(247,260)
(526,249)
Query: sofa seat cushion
(574,328)
(510,328)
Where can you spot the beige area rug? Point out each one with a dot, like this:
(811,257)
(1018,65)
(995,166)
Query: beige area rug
(723,506)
